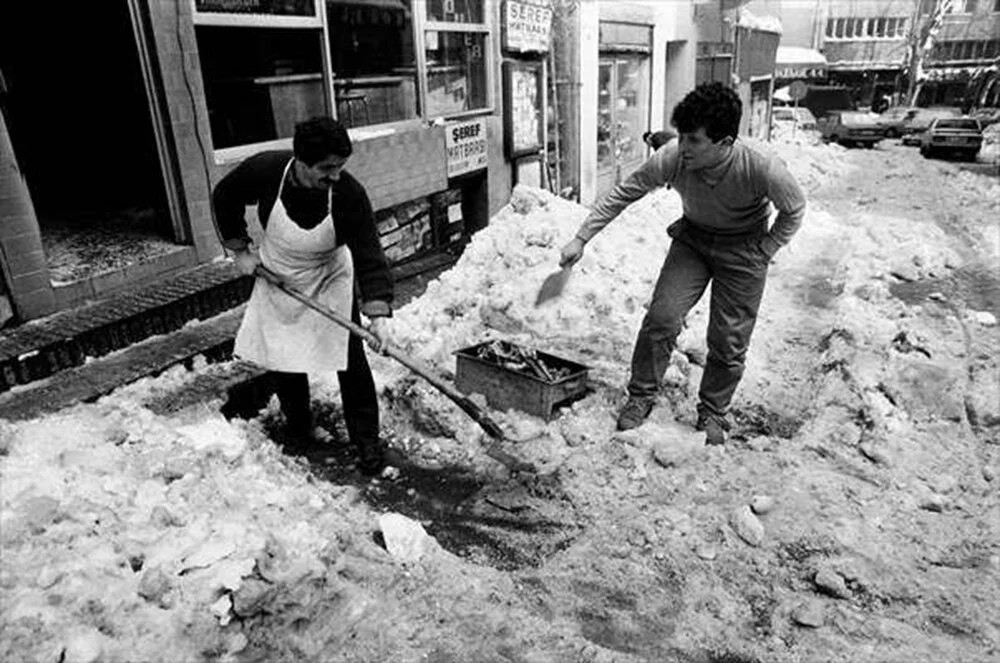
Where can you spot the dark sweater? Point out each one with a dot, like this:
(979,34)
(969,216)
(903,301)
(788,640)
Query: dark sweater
(256,181)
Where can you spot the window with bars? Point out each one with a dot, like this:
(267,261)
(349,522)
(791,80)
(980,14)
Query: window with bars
(866,28)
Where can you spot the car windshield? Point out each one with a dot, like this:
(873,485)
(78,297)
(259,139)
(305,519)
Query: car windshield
(970,125)
(857,118)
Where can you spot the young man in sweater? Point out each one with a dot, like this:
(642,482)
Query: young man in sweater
(727,188)
(319,238)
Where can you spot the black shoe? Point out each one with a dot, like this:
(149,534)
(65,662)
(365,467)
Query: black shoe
(635,411)
(716,428)
(371,459)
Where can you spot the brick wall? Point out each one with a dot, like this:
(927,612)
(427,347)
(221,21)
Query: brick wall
(25,270)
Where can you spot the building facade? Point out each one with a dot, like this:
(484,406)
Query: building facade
(865,45)
(619,69)
(120,117)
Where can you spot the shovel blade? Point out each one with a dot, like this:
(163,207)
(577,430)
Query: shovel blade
(553,285)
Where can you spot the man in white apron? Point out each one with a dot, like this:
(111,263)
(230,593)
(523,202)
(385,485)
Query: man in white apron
(319,238)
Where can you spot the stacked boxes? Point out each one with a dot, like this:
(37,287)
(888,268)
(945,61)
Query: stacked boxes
(446,212)
(409,229)
(405,230)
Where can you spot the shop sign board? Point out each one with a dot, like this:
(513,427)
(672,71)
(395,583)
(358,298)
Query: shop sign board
(522,116)
(799,71)
(527,25)
(466,146)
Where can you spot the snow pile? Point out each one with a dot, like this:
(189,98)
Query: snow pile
(786,133)
(751,21)
(144,538)
(491,290)
(813,165)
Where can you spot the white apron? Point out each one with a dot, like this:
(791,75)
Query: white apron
(278,332)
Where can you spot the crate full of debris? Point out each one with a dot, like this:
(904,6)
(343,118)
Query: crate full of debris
(519,378)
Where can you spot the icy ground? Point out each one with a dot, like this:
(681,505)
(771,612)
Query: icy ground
(853,517)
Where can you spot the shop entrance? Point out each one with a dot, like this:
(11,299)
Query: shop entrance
(76,104)
(622,117)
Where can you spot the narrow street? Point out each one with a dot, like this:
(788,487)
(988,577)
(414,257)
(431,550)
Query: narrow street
(853,516)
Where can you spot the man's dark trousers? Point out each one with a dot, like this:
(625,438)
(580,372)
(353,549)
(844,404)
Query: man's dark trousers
(736,266)
(357,393)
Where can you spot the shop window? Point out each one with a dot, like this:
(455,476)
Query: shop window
(457,50)
(259,82)
(373,60)
(456,11)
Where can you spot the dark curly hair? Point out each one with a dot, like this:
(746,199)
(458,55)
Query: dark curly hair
(714,107)
(319,137)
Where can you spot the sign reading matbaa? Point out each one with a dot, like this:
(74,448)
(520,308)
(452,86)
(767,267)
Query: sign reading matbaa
(527,25)
(466,145)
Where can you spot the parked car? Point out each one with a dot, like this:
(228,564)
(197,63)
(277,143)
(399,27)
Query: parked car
(958,135)
(850,128)
(986,116)
(894,119)
(921,120)
(801,117)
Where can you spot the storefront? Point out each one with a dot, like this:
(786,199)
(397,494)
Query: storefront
(634,64)
(418,82)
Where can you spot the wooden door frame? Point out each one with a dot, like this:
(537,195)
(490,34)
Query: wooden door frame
(170,170)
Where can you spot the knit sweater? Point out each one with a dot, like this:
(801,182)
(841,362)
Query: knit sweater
(729,198)
(256,182)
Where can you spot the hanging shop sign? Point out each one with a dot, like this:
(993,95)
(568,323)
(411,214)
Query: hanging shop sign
(466,145)
(522,96)
(792,71)
(527,26)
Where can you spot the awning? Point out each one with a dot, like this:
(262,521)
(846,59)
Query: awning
(799,62)
(957,74)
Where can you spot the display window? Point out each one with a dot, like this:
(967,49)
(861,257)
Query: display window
(457,56)
(373,60)
(269,64)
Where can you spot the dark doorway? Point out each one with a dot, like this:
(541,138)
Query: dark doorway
(80,122)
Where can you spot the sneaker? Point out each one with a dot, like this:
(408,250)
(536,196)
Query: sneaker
(716,428)
(634,412)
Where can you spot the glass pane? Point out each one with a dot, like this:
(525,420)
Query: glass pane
(267,7)
(456,11)
(456,72)
(631,107)
(605,118)
(373,60)
(260,82)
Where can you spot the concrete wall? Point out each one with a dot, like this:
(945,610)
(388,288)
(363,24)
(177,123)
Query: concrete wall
(26,272)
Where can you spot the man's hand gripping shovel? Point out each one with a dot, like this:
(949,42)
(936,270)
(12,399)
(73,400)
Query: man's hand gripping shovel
(464,402)
(555,283)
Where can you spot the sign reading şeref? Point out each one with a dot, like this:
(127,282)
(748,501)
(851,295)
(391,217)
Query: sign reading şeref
(527,25)
(466,145)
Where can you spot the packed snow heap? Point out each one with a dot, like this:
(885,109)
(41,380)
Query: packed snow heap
(854,516)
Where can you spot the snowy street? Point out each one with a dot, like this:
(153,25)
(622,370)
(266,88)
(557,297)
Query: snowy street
(854,515)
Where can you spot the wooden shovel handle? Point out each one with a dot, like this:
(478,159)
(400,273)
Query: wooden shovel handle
(460,399)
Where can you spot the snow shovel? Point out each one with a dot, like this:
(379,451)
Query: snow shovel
(553,285)
(464,402)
